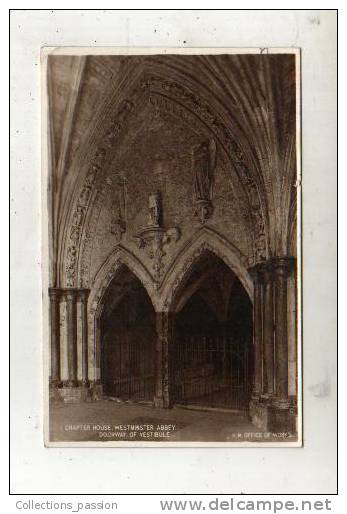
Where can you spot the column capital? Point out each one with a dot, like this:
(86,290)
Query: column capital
(54,293)
(257,272)
(70,296)
(83,295)
(282,266)
(279,265)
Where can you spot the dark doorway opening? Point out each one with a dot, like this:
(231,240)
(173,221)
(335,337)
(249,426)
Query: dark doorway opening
(128,336)
(213,358)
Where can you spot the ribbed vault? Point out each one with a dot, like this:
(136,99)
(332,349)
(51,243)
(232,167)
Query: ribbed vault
(245,102)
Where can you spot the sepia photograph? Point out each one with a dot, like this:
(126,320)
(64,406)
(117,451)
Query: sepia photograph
(172,190)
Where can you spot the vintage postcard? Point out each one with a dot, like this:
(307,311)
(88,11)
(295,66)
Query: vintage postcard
(171,208)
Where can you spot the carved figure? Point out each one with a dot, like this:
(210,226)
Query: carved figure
(154,205)
(118,228)
(203,164)
(155,237)
(201,172)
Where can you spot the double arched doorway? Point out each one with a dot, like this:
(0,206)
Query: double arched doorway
(210,355)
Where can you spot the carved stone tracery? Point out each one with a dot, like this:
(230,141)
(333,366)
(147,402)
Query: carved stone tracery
(162,294)
(217,126)
(157,87)
(97,163)
(204,240)
(120,257)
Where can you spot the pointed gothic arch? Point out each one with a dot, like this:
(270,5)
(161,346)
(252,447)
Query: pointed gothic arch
(204,240)
(167,94)
(108,270)
(119,259)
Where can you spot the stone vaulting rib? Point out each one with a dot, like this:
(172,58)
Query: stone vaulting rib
(209,143)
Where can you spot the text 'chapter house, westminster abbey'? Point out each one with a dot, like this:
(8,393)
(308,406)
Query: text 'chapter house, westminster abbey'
(173,247)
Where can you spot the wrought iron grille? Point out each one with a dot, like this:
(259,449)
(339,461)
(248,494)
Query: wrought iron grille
(128,368)
(212,372)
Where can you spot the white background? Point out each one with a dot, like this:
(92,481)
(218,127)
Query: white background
(311,469)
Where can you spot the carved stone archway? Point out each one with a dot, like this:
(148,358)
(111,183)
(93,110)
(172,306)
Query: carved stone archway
(113,265)
(205,239)
(163,94)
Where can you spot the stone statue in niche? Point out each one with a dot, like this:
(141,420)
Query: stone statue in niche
(203,164)
(155,209)
(155,237)
(117,227)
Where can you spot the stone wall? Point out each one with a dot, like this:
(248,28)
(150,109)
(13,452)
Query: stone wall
(158,159)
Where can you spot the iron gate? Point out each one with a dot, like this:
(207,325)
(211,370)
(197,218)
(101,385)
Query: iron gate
(128,368)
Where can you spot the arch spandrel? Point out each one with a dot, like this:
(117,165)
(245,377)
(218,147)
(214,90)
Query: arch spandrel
(173,98)
(162,294)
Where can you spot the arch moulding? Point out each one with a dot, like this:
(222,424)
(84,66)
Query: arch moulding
(110,268)
(164,295)
(162,92)
(204,240)
(107,272)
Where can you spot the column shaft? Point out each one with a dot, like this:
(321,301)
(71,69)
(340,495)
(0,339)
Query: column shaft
(55,336)
(84,329)
(281,271)
(258,337)
(292,335)
(271,411)
(268,334)
(72,338)
(163,364)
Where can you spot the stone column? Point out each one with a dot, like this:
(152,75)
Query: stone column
(163,359)
(292,335)
(268,333)
(281,267)
(271,411)
(84,334)
(71,337)
(257,275)
(54,297)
